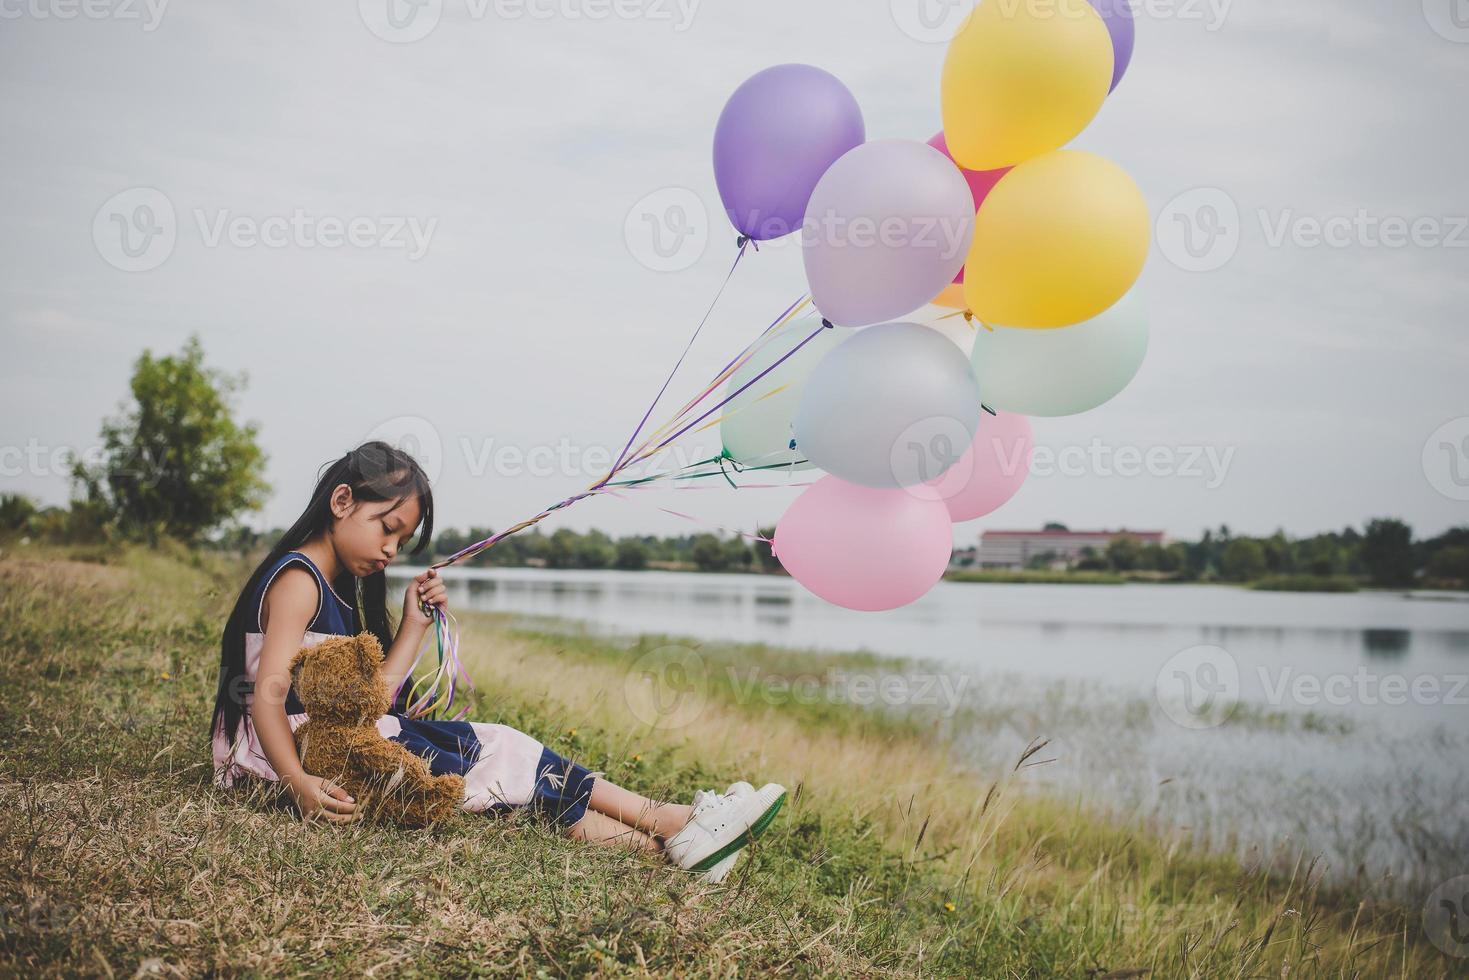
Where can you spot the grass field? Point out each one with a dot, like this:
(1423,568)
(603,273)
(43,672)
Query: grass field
(118,858)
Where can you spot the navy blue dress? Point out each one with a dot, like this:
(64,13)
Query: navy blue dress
(502,768)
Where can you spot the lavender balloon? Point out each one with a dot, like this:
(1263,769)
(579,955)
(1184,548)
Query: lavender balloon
(775,138)
(888,227)
(1117,15)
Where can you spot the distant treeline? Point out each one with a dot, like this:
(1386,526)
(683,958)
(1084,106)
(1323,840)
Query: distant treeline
(1382,554)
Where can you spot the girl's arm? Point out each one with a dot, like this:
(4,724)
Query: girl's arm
(430,587)
(290,604)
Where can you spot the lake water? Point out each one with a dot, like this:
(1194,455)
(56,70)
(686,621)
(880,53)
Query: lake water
(1267,723)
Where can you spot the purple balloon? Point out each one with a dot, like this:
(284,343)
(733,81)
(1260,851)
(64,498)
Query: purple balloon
(777,135)
(1117,15)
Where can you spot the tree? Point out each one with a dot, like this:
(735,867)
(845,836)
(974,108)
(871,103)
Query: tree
(1124,553)
(1387,552)
(593,550)
(1450,564)
(1244,559)
(175,462)
(737,554)
(16,511)
(632,554)
(709,554)
(560,547)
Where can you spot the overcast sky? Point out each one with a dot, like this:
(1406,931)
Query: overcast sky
(503,156)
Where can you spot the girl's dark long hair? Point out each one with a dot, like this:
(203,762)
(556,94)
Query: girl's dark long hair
(376,472)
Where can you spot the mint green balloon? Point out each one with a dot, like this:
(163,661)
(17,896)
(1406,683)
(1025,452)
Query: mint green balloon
(1065,370)
(757,431)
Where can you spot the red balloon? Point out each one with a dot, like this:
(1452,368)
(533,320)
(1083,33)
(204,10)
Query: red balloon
(981,182)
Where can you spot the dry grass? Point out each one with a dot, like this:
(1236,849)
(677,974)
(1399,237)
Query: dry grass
(119,858)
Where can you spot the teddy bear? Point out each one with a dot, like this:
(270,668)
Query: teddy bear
(340,684)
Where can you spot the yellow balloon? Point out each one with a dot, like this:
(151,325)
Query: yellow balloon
(952,297)
(1058,241)
(1022,78)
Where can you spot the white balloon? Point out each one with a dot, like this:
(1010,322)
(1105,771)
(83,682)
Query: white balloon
(893,405)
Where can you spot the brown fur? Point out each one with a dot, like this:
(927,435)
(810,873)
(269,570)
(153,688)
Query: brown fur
(340,683)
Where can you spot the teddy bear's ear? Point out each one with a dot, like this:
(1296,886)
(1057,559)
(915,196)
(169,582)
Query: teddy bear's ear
(294,668)
(369,653)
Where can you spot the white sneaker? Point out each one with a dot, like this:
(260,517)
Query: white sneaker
(720,825)
(721,870)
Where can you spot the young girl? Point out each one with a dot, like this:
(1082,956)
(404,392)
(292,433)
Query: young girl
(364,510)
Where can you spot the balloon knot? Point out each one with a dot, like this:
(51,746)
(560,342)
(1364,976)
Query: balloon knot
(988,409)
(742,241)
(827,323)
(792,445)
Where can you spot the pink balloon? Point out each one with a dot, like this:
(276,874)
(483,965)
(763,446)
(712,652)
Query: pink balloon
(991,470)
(863,547)
(981,182)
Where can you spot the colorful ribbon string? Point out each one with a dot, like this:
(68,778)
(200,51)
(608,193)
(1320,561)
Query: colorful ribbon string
(439,688)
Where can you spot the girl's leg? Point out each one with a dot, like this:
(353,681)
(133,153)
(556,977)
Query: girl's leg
(597,828)
(628,808)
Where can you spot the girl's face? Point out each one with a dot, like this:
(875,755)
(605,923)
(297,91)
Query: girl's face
(368,534)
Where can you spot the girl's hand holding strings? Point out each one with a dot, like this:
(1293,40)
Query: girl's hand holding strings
(426,588)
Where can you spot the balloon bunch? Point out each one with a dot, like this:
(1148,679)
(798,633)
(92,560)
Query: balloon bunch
(1039,246)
